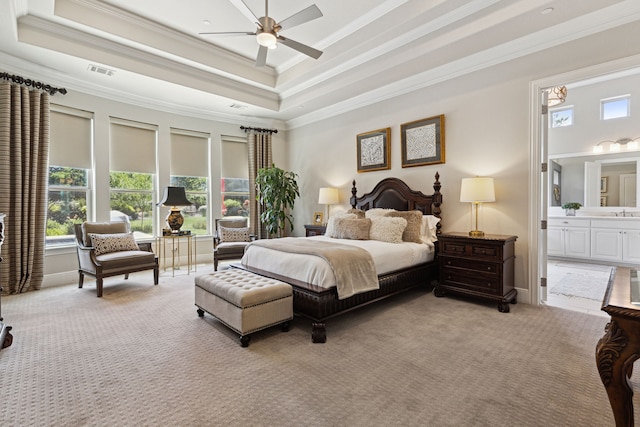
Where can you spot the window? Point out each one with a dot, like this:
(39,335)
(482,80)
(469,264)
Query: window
(234,185)
(562,117)
(132,157)
(69,169)
(190,169)
(615,108)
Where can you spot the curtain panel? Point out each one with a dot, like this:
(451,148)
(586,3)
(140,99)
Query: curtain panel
(24,171)
(260,156)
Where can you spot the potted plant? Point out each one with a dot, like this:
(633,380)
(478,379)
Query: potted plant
(570,208)
(276,192)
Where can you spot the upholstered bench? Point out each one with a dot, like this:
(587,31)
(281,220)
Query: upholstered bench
(244,301)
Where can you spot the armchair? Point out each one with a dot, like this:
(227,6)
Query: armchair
(111,252)
(230,237)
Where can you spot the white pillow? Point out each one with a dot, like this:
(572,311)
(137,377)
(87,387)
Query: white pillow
(428,228)
(387,229)
(331,224)
(377,212)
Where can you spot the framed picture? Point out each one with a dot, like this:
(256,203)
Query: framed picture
(603,200)
(603,184)
(317,218)
(373,150)
(423,142)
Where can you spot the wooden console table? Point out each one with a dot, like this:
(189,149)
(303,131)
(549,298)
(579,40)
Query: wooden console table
(620,346)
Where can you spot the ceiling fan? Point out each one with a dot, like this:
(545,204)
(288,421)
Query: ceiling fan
(267,33)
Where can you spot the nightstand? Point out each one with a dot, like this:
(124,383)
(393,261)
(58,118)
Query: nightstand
(481,267)
(315,230)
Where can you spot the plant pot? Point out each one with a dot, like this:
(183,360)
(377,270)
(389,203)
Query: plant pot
(570,212)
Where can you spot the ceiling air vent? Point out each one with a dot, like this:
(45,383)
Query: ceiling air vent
(101,70)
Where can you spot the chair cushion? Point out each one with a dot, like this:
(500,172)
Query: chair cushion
(118,242)
(101,228)
(231,248)
(125,259)
(234,234)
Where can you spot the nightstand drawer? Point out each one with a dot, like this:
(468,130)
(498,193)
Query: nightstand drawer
(469,265)
(477,282)
(475,249)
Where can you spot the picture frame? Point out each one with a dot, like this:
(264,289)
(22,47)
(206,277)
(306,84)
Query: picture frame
(318,218)
(603,200)
(374,151)
(603,184)
(423,142)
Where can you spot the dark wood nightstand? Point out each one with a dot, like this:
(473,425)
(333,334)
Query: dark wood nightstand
(481,267)
(315,230)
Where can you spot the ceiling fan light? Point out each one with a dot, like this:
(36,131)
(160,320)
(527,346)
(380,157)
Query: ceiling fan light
(266,39)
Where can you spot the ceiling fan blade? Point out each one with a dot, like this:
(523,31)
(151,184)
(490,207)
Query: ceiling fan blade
(244,9)
(228,33)
(307,50)
(261,60)
(306,15)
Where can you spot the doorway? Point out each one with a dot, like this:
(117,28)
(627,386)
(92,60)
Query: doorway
(539,196)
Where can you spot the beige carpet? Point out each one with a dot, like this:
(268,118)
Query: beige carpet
(140,356)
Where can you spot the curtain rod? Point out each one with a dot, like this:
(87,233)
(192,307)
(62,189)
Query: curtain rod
(247,129)
(28,82)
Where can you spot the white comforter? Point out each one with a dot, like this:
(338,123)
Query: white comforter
(387,257)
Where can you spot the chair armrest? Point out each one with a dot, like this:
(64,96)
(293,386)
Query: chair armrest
(145,246)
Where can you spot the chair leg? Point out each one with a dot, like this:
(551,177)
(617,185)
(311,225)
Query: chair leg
(126,276)
(215,264)
(80,279)
(156,274)
(99,286)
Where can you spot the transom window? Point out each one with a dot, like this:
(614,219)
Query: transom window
(615,108)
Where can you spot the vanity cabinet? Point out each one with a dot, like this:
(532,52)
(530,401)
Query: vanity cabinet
(613,240)
(569,237)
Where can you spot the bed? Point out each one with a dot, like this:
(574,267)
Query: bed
(319,302)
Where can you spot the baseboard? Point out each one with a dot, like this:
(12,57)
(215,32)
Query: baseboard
(58,279)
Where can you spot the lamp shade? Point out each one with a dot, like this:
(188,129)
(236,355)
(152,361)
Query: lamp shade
(477,190)
(174,196)
(328,196)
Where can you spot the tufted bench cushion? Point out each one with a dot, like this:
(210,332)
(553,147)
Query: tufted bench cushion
(244,301)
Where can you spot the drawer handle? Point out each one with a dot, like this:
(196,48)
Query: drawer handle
(448,262)
(488,285)
(488,268)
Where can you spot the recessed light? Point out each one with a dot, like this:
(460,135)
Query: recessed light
(547,11)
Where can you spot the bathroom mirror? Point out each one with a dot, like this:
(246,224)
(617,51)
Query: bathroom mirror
(606,180)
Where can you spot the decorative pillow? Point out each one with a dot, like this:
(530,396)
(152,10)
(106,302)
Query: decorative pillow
(377,212)
(387,229)
(351,228)
(107,243)
(234,234)
(428,228)
(414,221)
(357,212)
(332,221)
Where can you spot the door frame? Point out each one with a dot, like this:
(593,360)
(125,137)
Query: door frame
(538,154)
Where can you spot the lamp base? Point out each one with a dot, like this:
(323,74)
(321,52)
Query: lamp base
(476,233)
(175,220)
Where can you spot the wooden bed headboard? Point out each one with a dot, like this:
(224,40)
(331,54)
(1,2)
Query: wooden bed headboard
(393,193)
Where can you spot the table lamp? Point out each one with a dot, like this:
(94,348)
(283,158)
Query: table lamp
(328,196)
(174,197)
(477,190)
